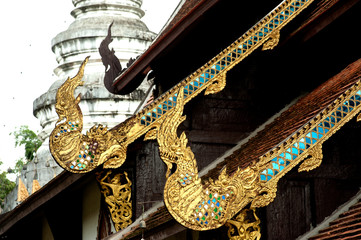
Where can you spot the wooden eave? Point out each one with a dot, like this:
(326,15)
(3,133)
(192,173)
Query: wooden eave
(185,18)
(321,16)
(298,115)
(316,19)
(189,17)
(37,200)
(184,45)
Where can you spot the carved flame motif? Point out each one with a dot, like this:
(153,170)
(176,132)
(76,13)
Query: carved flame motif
(272,41)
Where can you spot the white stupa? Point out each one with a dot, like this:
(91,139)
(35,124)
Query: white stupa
(83,38)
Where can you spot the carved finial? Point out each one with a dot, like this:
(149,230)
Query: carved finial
(110,61)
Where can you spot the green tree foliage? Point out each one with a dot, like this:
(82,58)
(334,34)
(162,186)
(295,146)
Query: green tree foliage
(25,136)
(5,186)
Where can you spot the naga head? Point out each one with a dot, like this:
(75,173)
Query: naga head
(173,149)
(65,139)
(66,104)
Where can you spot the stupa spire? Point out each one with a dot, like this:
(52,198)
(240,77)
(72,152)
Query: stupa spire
(125,8)
(83,38)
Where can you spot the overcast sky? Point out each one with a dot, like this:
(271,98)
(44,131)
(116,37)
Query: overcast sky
(27,62)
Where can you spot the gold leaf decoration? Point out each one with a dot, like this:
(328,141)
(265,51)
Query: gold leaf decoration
(195,205)
(80,153)
(314,160)
(243,227)
(118,197)
(217,85)
(36,186)
(272,41)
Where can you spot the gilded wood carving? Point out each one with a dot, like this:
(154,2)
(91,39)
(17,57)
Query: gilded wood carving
(118,197)
(244,226)
(195,205)
(80,153)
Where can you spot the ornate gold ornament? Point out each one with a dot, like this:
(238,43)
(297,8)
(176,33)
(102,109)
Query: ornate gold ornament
(244,228)
(80,153)
(118,198)
(218,85)
(314,160)
(272,41)
(195,205)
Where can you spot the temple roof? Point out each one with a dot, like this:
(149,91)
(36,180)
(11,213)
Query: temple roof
(192,21)
(292,120)
(301,114)
(191,15)
(307,117)
(299,119)
(36,201)
(343,223)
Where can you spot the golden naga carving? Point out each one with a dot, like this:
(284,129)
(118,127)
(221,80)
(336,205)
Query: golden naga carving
(243,227)
(195,205)
(118,198)
(79,153)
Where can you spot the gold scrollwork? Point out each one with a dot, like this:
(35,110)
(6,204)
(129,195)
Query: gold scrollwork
(272,41)
(314,160)
(217,85)
(244,226)
(118,198)
(265,196)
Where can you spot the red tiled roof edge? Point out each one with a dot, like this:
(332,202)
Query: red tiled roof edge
(324,13)
(347,226)
(155,219)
